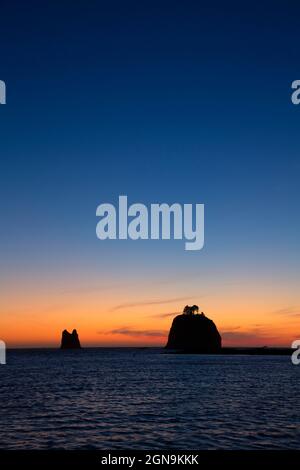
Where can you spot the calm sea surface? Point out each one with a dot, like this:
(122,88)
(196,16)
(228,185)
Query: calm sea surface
(146,399)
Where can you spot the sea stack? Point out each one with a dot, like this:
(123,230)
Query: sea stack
(194,332)
(70,340)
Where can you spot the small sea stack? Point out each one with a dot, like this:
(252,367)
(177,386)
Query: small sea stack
(194,332)
(70,340)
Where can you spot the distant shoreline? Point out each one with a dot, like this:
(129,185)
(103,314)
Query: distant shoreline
(243,351)
(253,351)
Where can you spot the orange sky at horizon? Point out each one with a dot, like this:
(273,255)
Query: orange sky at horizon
(141,315)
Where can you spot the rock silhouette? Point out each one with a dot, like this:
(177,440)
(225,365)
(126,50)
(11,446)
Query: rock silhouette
(70,340)
(192,332)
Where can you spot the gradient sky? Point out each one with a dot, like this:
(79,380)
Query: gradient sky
(165,102)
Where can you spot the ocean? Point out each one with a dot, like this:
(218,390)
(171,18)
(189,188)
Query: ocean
(131,398)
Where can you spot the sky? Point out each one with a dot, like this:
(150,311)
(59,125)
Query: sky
(186,102)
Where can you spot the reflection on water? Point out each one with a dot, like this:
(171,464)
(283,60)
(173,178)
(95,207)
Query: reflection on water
(143,399)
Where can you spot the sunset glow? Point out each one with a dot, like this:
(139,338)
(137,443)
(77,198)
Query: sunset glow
(136,314)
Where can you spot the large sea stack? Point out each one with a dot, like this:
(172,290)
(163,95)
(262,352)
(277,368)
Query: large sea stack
(193,332)
(70,340)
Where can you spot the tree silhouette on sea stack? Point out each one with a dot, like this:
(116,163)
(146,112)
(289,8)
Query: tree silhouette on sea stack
(193,332)
(190,310)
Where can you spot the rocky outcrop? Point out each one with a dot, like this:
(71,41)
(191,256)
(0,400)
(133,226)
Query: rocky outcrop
(70,340)
(192,332)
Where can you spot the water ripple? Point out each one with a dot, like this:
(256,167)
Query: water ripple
(142,399)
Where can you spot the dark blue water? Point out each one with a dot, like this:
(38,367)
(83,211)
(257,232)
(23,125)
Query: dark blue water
(143,399)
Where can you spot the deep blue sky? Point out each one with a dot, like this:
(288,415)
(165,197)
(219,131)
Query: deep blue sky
(164,102)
